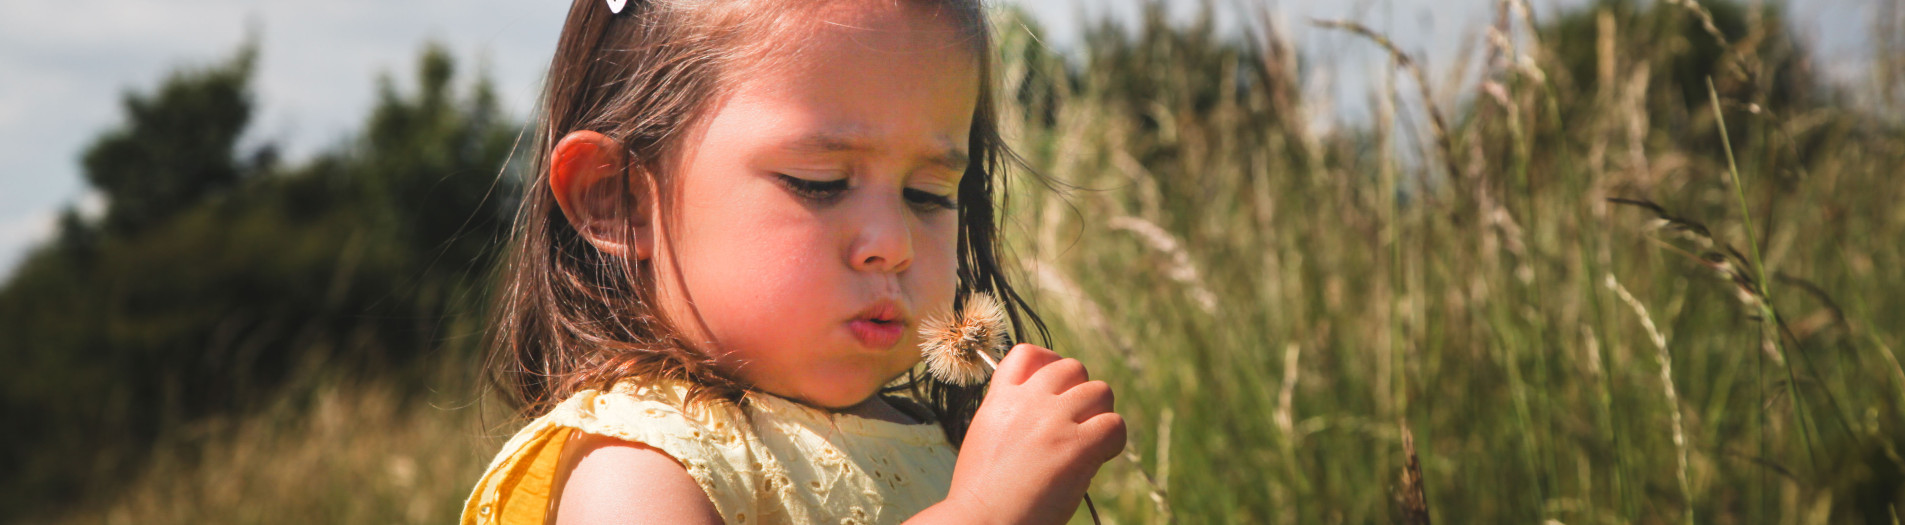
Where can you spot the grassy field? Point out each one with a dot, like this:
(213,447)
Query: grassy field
(1278,307)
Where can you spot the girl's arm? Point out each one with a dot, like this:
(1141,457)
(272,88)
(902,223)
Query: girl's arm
(611,481)
(1037,440)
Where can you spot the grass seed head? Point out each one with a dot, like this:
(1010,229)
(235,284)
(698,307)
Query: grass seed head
(955,347)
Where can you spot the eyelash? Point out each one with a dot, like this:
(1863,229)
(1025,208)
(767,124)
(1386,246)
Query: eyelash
(825,192)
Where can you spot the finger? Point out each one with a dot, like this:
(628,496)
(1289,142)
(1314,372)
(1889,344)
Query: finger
(1059,376)
(1106,434)
(1021,362)
(1088,400)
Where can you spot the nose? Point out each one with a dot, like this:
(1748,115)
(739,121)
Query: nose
(883,240)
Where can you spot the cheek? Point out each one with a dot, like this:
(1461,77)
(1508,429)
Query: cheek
(751,263)
(934,276)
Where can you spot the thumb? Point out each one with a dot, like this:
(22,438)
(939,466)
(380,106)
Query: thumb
(1021,362)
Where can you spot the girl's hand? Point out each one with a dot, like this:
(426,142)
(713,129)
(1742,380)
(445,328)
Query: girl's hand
(1039,436)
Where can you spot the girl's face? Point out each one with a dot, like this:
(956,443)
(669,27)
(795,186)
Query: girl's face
(813,221)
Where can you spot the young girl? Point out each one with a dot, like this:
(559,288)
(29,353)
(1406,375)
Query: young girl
(743,211)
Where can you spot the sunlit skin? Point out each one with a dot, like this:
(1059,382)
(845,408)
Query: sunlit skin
(809,231)
(815,200)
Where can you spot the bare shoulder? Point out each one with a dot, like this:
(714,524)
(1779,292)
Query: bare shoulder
(611,481)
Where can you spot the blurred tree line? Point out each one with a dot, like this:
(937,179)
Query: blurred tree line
(218,275)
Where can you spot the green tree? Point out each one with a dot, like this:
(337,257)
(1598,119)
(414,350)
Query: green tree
(177,144)
(432,161)
(216,279)
(1678,51)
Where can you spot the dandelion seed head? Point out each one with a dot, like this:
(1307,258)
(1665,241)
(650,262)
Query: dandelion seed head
(952,346)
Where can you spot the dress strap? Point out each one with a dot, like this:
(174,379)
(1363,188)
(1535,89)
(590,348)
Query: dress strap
(519,484)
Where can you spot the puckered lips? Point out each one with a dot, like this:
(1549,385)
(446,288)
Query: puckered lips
(880,326)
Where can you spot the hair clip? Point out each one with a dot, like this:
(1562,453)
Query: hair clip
(615,6)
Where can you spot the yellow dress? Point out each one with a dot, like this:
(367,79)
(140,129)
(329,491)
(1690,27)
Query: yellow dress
(774,461)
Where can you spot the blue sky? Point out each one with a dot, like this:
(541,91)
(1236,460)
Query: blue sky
(64,65)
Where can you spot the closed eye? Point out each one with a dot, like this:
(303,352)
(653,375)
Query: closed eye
(828,191)
(819,191)
(933,200)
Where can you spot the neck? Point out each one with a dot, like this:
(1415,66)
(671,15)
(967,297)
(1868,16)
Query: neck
(876,407)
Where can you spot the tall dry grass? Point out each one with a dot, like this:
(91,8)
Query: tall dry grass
(1284,310)
(1458,286)
(340,452)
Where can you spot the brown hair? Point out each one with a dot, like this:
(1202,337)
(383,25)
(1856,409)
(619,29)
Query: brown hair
(569,317)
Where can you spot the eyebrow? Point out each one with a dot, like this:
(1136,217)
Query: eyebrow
(838,142)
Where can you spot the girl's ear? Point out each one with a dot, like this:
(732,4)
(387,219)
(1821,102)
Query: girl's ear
(588,173)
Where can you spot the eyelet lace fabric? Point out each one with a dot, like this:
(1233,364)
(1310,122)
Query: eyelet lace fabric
(773,461)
